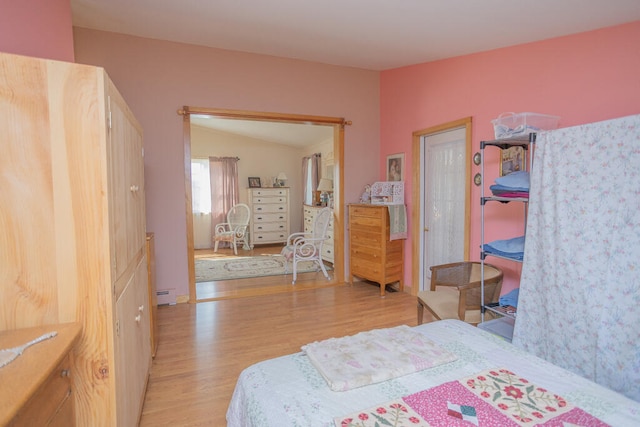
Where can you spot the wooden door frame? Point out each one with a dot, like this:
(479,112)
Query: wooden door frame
(416,211)
(338,125)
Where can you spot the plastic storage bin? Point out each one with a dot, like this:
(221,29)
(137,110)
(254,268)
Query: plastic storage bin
(514,124)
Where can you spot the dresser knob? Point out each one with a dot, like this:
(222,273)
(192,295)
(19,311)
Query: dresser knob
(65,373)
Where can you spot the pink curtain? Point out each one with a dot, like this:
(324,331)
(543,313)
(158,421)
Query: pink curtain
(223,172)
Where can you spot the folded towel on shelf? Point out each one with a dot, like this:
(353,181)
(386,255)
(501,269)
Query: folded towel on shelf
(511,194)
(510,298)
(518,179)
(510,248)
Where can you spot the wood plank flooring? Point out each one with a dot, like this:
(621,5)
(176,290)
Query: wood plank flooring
(203,347)
(239,288)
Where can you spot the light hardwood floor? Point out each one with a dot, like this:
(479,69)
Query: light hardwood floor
(203,347)
(240,288)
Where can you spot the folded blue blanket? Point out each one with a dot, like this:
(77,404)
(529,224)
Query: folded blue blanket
(510,298)
(519,180)
(510,248)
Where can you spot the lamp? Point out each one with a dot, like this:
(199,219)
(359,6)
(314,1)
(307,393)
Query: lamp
(324,187)
(282,177)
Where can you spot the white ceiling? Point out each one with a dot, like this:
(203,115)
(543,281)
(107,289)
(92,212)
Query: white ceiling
(293,135)
(369,34)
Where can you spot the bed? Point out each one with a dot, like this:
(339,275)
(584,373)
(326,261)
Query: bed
(290,391)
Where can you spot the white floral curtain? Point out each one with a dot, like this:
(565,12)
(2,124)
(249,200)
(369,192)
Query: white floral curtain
(579,300)
(311,176)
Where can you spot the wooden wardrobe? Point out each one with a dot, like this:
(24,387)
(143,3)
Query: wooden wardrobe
(72,227)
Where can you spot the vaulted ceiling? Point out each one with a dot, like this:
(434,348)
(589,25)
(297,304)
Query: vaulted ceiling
(369,34)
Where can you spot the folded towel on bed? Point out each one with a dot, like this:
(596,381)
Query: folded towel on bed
(374,356)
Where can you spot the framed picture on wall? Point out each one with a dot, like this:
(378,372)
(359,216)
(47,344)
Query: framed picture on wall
(395,167)
(511,160)
(254,182)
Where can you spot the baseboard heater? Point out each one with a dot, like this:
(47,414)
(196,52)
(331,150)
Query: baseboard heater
(166,297)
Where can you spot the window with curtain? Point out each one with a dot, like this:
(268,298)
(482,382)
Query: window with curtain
(223,176)
(200,186)
(201,203)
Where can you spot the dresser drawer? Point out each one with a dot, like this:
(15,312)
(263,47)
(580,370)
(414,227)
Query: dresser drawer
(366,211)
(366,223)
(366,252)
(270,192)
(327,252)
(269,200)
(52,405)
(371,270)
(269,217)
(269,208)
(269,237)
(270,226)
(366,239)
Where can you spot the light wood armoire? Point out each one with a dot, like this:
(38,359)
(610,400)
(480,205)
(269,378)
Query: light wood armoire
(373,256)
(72,227)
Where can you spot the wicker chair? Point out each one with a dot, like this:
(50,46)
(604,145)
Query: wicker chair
(235,230)
(308,246)
(455,291)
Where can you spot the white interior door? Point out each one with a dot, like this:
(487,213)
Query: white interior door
(444,165)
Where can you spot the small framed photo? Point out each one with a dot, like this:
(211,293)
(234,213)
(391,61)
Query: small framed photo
(395,167)
(254,182)
(511,160)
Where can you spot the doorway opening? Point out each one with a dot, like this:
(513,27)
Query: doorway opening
(441,211)
(337,125)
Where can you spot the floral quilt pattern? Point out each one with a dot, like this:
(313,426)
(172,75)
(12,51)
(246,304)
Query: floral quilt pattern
(374,356)
(496,397)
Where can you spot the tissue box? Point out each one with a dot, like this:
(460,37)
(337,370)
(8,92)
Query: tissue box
(514,124)
(387,193)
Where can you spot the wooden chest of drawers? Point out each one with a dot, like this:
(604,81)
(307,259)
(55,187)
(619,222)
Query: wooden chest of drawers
(372,255)
(270,216)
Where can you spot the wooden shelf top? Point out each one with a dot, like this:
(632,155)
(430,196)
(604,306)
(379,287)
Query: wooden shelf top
(21,378)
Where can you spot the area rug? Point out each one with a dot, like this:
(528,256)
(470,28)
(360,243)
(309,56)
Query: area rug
(208,269)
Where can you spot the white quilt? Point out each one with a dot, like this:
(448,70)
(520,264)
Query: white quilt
(374,356)
(289,391)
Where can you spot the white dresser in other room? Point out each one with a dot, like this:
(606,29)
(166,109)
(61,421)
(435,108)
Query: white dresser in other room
(310,213)
(270,215)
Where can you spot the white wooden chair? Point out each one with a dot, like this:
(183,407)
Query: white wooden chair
(308,246)
(235,230)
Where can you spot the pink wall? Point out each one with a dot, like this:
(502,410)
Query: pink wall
(40,28)
(157,78)
(582,78)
